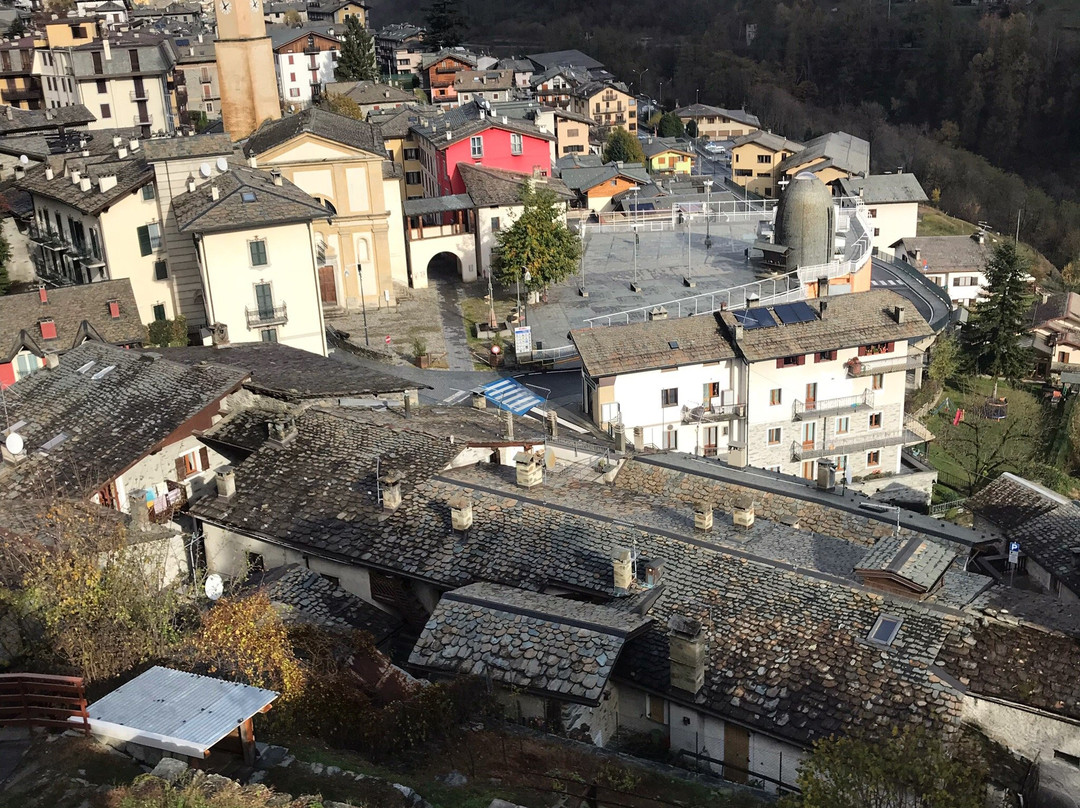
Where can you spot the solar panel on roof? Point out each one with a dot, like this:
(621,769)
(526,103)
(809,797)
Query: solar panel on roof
(755,318)
(789,313)
(804,311)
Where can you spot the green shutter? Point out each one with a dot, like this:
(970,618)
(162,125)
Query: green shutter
(144,240)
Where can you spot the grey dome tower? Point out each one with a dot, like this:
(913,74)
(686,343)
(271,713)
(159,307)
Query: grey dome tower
(805,222)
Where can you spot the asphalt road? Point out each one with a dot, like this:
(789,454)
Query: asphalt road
(882,276)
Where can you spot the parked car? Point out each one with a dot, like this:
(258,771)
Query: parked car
(715,148)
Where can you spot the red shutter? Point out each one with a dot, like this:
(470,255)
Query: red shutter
(862,350)
(780,362)
(204,459)
(802,359)
(889,347)
(181,469)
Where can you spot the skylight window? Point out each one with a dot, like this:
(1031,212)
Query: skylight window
(86,367)
(885,629)
(673,344)
(247,196)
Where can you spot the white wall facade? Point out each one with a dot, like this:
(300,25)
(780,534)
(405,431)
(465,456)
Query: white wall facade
(58,85)
(890,222)
(122,101)
(1031,734)
(230,281)
(295,77)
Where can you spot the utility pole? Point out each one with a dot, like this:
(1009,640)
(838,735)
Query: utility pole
(689,279)
(363,302)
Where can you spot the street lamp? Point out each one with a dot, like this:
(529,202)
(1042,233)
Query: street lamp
(528,277)
(635,287)
(689,279)
(708,219)
(363,302)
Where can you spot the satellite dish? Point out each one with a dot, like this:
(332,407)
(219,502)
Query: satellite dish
(215,587)
(549,458)
(14,443)
(24,160)
(222,164)
(204,169)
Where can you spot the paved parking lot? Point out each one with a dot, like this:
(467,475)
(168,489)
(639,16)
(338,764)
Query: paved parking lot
(662,265)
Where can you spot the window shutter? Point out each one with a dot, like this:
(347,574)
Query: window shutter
(780,362)
(144,240)
(802,359)
(181,472)
(862,350)
(204,458)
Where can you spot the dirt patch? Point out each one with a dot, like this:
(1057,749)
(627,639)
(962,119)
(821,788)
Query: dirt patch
(416,316)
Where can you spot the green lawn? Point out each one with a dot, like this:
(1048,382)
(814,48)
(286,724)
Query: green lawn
(932,222)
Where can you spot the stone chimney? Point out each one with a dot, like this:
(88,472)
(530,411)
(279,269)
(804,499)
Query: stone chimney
(752,300)
(552,419)
(226,482)
(509,425)
(140,514)
(52,360)
(275,175)
(220,335)
(898,314)
(461,513)
(658,313)
(622,565)
(9,114)
(737,332)
(618,431)
(215,194)
(530,469)
(390,485)
(686,653)
(743,513)
(703,514)
(479,401)
(823,306)
(282,431)
(20,172)
(106,182)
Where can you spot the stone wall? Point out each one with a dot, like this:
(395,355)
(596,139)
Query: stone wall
(663,484)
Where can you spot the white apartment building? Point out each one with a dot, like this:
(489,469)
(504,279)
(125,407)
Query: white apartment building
(777,387)
(892,205)
(955,263)
(305,60)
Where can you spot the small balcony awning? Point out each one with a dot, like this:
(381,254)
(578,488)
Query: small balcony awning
(507,394)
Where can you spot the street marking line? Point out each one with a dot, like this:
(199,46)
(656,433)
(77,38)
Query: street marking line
(454,398)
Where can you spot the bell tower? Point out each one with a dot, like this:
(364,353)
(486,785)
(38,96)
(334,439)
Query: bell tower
(246,72)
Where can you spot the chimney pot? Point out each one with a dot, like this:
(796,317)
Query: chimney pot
(479,401)
(9,114)
(85,184)
(743,513)
(48,172)
(215,194)
(622,565)
(116,141)
(191,184)
(122,153)
(52,360)
(20,172)
(283,431)
(106,182)
(530,469)
(133,144)
(686,653)
(253,161)
(703,515)
(43,294)
(898,314)
(390,485)
(226,482)
(76,176)
(275,175)
(461,511)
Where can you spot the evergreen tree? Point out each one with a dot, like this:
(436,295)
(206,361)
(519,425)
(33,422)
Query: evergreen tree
(622,146)
(538,241)
(356,61)
(445,24)
(999,318)
(670,125)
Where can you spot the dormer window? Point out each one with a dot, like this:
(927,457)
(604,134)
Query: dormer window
(48,329)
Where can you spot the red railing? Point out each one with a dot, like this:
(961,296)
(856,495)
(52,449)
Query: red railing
(42,700)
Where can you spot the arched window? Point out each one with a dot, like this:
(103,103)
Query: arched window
(326,203)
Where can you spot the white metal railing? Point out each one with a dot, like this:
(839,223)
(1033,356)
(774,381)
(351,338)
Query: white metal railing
(831,406)
(770,291)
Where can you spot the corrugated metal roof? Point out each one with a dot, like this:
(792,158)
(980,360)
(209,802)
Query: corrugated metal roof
(177,711)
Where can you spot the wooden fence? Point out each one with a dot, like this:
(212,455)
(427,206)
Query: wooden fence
(42,700)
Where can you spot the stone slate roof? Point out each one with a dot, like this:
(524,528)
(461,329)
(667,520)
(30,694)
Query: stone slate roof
(635,347)
(1017,664)
(245,430)
(653,146)
(947,253)
(25,120)
(288,373)
(397,122)
(768,140)
(851,320)
(79,313)
(320,491)
(1046,524)
(563,58)
(489,187)
(882,189)
(457,123)
(110,422)
(428,59)
(541,643)
(480,81)
(318,122)
(918,561)
(367,92)
(587,177)
(198,212)
(1060,306)
(131,172)
(844,151)
(281,35)
(304,596)
(171,148)
(706,111)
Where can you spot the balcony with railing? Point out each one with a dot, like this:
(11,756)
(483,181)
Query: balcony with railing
(139,95)
(713,413)
(85,256)
(266,316)
(815,408)
(810,450)
(143,119)
(164,508)
(47,237)
(857,367)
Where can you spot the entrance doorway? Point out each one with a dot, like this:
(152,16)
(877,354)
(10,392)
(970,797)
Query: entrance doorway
(327,286)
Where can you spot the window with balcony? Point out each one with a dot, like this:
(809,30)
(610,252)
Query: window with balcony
(669,397)
(774,436)
(876,348)
(710,391)
(515,144)
(476,146)
(257,252)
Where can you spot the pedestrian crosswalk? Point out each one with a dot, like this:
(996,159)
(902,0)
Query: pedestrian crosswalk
(456,397)
(886,282)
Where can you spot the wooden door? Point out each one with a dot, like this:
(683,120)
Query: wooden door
(808,469)
(736,753)
(811,395)
(327,286)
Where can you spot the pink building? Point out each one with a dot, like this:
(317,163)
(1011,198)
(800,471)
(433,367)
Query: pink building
(470,135)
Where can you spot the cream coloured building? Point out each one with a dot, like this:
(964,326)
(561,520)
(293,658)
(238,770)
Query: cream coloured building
(892,205)
(255,248)
(342,164)
(754,158)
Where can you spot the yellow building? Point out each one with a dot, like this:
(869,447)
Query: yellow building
(754,159)
(338,12)
(607,103)
(717,123)
(401,145)
(665,155)
(341,163)
(245,59)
